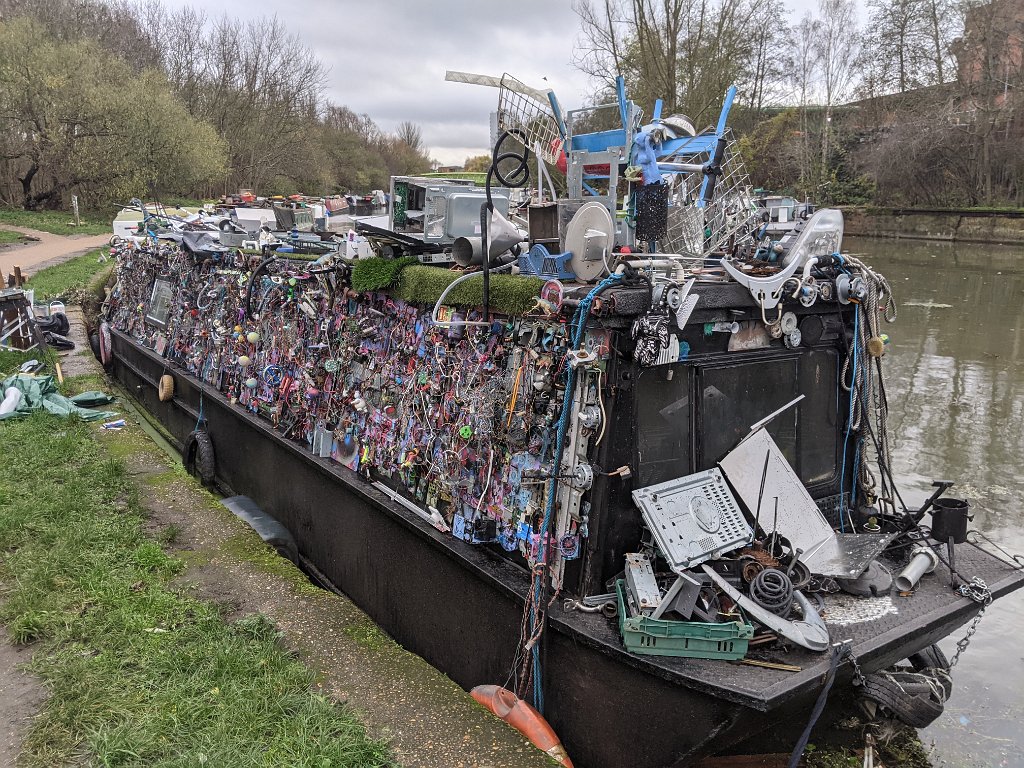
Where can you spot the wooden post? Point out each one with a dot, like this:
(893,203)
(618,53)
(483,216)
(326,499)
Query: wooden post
(18,279)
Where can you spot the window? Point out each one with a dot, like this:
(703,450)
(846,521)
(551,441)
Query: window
(690,415)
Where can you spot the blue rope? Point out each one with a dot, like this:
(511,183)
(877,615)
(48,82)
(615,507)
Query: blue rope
(856,470)
(199,420)
(579,324)
(849,421)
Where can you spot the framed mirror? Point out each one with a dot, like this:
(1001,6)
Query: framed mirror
(160,302)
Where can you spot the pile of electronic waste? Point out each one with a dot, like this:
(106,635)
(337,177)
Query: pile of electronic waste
(734,547)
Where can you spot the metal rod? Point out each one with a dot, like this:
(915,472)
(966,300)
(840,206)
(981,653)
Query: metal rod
(775,524)
(760,493)
(770,416)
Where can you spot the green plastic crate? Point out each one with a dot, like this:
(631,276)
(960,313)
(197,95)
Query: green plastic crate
(689,639)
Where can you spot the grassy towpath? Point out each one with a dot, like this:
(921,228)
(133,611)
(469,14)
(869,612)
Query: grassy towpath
(166,633)
(138,671)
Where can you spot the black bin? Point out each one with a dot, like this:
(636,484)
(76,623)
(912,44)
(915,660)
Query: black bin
(949,520)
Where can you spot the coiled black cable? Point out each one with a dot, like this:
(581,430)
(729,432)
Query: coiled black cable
(261,267)
(519,177)
(772,590)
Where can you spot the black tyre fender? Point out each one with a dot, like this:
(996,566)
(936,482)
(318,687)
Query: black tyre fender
(198,458)
(94,343)
(931,657)
(905,696)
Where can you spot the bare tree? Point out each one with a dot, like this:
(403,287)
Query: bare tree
(805,75)
(907,44)
(410,134)
(771,58)
(836,47)
(685,52)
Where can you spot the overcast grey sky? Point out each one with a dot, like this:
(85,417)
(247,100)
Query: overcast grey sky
(388,59)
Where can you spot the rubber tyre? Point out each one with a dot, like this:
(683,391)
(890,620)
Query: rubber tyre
(94,343)
(106,355)
(198,458)
(931,657)
(165,388)
(907,699)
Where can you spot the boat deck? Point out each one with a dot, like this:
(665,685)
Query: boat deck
(881,630)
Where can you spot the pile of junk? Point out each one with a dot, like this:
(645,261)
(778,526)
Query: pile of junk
(302,223)
(650,429)
(26,325)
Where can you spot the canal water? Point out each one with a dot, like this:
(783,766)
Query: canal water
(955,379)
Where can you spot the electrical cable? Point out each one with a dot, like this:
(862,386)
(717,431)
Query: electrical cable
(519,177)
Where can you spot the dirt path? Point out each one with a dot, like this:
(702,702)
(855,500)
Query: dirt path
(49,250)
(21,695)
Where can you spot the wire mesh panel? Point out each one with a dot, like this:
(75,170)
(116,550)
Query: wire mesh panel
(521,111)
(728,219)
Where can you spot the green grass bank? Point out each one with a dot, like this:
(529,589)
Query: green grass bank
(138,671)
(70,278)
(56,222)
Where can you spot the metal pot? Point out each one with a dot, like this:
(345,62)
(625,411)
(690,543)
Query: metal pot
(949,520)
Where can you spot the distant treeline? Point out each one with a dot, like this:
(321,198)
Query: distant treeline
(113,100)
(923,105)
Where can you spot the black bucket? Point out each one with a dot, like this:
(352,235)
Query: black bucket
(949,520)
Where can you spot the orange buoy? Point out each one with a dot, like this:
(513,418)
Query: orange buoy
(524,718)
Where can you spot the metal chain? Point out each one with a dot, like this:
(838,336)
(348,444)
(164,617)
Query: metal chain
(978,591)
(858,674)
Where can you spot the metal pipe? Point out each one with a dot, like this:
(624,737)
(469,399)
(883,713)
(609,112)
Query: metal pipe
(652,263)
(923,561)
(468,251)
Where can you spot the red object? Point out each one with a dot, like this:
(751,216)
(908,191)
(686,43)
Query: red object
(563,163)
(524,718)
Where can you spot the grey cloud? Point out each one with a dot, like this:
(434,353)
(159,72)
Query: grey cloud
(388,60)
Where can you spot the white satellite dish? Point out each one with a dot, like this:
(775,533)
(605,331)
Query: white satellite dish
(590,238)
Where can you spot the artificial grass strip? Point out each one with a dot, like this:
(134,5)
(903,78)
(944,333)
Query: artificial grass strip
(140,673)
(509,294)
(377,273)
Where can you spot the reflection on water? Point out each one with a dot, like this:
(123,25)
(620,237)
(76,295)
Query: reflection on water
(955,380)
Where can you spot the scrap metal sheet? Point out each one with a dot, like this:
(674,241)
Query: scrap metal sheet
(824,551)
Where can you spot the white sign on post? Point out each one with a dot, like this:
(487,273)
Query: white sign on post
(74,209)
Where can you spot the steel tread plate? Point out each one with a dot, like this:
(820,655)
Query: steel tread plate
(913,625)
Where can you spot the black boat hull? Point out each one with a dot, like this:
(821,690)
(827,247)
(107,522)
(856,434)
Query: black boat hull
(460,608)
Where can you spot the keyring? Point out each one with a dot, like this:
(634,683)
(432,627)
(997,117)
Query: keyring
(273,375)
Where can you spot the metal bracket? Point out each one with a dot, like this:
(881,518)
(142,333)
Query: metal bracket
(767,291)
